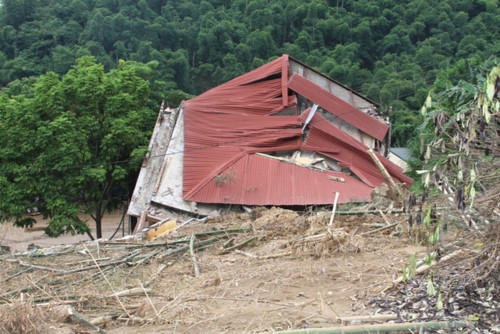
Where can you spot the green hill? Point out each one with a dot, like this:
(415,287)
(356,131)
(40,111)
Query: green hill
(392,51)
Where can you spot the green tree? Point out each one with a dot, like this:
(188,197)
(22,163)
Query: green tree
(261,18)
(405,126)
(243,54)
(62,59)
(470,45)
(17,12)
(8,41)
(261,43)
(78,140)
(99,29)
(304,41)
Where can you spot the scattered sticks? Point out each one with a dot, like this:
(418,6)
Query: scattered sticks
(136,254)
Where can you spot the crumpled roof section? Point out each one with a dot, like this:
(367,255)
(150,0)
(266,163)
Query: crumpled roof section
(227,128)
(332,142)
(339,108)
(256,93)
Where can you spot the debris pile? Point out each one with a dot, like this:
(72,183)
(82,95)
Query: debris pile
(181,274)
(447,295)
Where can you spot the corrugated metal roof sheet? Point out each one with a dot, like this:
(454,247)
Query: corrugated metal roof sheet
(211,141)
(226,125)
(338,107)
(323,136)
(257,180)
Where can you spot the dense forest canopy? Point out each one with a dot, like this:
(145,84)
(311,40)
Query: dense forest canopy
(392,51)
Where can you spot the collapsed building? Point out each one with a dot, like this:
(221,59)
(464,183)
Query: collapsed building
(280,135)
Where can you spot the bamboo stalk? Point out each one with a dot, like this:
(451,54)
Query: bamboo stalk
(84,321)
(158,271)
(5,300)
(193,257)
(315,237)
(59,302)
(32,266)
(148,256)
(377,225)
(185,248)
(352,213)
(59,298)
(228,231)
(369,318)
(101,320)
(380,328)
(265,257)
(238,246)
(379,229)
(385,218)
(95,266)
(18,274)
(334,208)
(387,177)
(228,243)
(130,292)
(149,299)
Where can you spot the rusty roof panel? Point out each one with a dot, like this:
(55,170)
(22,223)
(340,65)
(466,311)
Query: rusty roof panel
(338,107)
(323,136)
(225,126)
(284,80)
(258,180)
(214,139)
(260,98)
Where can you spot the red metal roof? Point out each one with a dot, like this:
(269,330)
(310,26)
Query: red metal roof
(258,180)
(343,110)
(331,141)
(213,140)
(225,126)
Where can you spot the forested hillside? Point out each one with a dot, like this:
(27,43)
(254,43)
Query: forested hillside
(392,51)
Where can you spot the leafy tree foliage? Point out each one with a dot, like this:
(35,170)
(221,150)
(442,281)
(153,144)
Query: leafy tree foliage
(460,132)
(459,146)
(71,143)
(391,51)
(41,35)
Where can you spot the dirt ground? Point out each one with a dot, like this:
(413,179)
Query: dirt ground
(19,239)
(268,271)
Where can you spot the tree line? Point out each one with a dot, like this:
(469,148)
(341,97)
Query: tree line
(391,51)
